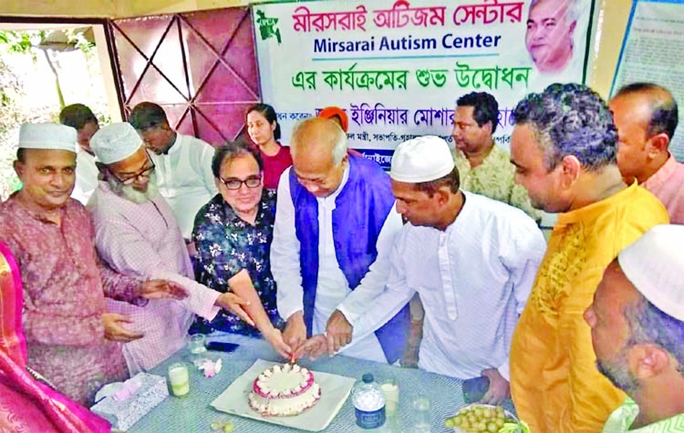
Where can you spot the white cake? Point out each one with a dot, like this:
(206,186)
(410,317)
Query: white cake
(284,390)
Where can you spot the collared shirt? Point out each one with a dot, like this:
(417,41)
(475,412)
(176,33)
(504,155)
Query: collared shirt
(226,245)
(621,421)
(86,176)
(668,185)
(144,240)
(554,381)
(63,281)
(494,178)
(473,280)
(185,178)
(332,291)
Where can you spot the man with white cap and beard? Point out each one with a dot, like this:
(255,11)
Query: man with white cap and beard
(64,282)
(471,259)
(137,234)
(637,330)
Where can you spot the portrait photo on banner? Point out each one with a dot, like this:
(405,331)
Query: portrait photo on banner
(397,67)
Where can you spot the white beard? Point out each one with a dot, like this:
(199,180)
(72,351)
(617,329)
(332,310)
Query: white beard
(132,194)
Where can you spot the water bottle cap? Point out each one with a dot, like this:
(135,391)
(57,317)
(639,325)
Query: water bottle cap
(367,378)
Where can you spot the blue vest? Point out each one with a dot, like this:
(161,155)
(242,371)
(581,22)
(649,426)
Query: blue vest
(361,209)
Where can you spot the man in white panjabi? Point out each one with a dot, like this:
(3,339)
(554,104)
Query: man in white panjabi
(472,260)
(183,164)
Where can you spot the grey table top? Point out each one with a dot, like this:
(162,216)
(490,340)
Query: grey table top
(193,413)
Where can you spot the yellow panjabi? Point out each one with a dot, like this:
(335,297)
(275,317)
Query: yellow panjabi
(555,385)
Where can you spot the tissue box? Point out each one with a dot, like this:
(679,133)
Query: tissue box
(123,414)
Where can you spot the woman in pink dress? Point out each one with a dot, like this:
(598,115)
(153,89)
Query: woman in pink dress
(264,131)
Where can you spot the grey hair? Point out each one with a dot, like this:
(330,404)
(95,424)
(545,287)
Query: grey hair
(340,145)
(574,8)
(617,371)
(340,148)
(570,119)
(650,325)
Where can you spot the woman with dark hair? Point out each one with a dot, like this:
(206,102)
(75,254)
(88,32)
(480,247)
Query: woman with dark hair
(233,234)
(264,131)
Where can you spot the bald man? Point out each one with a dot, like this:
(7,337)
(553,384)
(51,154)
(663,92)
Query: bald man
(335,224)
(646,117)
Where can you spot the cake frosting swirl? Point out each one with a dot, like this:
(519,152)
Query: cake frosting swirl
(284,390)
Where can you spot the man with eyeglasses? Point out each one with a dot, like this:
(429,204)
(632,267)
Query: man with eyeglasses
(71,338)
(233,234)
(137,234)
(334,227)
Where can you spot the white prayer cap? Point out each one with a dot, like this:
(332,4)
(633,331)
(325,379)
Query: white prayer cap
(422,159)
(655,265)
(115,142)
(51,136)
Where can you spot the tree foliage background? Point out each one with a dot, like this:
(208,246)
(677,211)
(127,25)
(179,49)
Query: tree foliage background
(11,115)
(52,58)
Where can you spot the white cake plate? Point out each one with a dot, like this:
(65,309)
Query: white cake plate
(334,391)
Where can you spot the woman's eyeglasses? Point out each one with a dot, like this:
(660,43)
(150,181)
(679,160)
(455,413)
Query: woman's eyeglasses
(233,183)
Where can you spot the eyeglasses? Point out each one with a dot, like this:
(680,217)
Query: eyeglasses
(130,180)
(233,183)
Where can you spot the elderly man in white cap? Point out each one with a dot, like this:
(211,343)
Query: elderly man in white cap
(472,260)
(637,331)
(64,281)
(137,234)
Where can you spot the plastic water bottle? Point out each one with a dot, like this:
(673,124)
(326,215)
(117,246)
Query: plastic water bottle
(369,404)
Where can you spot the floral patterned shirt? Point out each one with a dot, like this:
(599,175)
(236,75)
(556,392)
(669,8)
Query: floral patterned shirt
(494,179)
(226,245)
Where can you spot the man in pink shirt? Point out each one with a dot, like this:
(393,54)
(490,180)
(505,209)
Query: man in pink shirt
(646,117)
(70,338)
(137,234)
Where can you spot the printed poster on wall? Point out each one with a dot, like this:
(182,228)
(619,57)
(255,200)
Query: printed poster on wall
(652,52)
(398,67)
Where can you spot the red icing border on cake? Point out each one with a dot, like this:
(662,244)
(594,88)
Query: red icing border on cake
(260,393)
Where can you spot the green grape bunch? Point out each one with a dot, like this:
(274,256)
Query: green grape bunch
(479,418)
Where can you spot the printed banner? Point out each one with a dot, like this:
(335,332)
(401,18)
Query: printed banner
(651,52)
(398,67)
